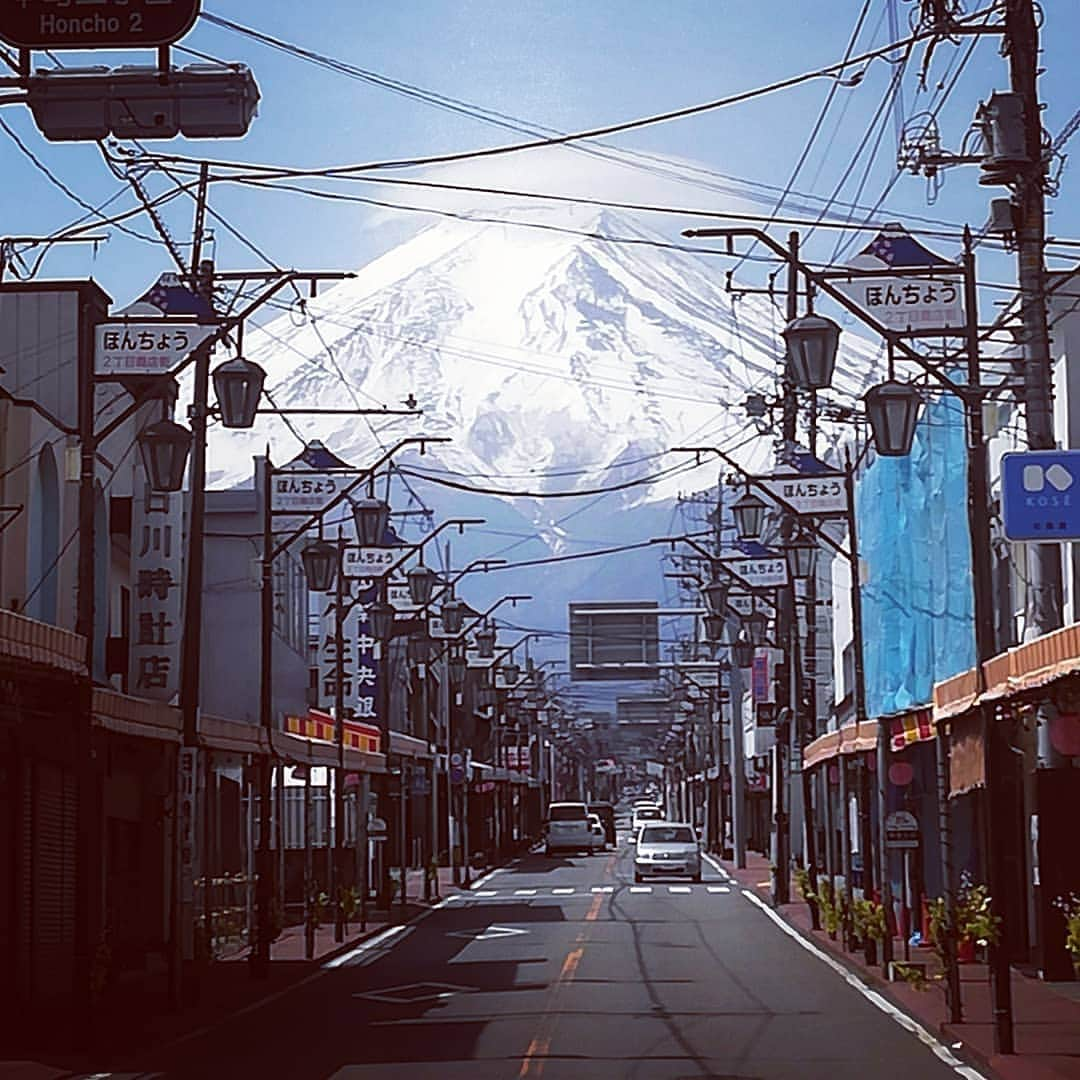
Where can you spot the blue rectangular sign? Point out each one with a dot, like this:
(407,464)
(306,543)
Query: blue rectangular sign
(1040,495)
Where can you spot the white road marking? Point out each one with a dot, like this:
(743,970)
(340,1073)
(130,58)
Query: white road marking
(719,888)
(716,866)
(524,892)
(939,1049)
(487,892)
(679,889)
(603,888)
(371,944)
(562,892)
(641,888)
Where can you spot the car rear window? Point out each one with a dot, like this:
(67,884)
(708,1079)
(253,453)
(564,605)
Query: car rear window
(569,812)
(667,834)
(650,813)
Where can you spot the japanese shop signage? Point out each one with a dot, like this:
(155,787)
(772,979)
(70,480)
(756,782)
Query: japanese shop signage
(95,24)
(811,495)
(156,541)
(361,665)
(369,561)
(765,572)
(145,348)
(302,491)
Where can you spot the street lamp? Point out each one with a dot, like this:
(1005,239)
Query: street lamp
(419,648)
(453,616)
(743,650)
(238,384)
(458,666)
(716,594)
(372,516)
(485,642)
(381,616)
(756,625)
(812,342)
(421,581)
(320,561)
(165,447)
(714,626)
(749,514)
(801,554)
(511,672)
(893,410)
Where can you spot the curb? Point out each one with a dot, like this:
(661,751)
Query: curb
(942,1029)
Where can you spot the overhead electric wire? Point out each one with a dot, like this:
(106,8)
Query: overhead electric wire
(830,70)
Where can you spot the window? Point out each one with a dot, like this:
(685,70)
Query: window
(44,542)
(667,834)
(568,812)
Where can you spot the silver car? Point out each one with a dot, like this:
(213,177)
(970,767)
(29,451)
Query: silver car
(667,849)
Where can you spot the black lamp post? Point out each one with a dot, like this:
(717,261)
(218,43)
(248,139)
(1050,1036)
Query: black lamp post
(238,384)
(716,594)
(320,561)
(485,642)
(714,626)
(381,618)
(458,666)
(749,513)
(165,447)
(421,581)
(893,411)
(743,650)
(453,616)
(756,624)
(511,672)
(372,516)
(801,554)
(812,341)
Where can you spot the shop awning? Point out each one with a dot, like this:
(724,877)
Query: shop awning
(851,739)
(402,745)
(22,638)
(133,716)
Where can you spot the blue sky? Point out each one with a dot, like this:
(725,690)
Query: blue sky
(561,64)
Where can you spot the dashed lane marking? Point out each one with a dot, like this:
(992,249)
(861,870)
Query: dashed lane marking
(525,892)
(679,889)
(562,892)
(719,888)
(603,888)
(641,888)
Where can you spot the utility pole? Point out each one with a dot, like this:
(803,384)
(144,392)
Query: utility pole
(1022,48)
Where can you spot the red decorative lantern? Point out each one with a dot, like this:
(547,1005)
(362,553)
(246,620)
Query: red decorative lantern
(901,774)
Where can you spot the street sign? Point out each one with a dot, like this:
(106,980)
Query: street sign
(369,561)
(1040,499)
(303,491)
(112,24)
(397,594)
(145,348)
(817,496)
(766,572)
(901,831)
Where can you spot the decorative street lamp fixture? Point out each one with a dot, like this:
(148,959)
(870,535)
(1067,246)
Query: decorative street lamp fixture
(320,561)
(714,626)
(453,616)
(716,594)
(756,624)
(238,384)
(812,342)
(419,648)
(893,410)
(801,554)
(372,516)
(165,447)
(749,514)
(485,642)
(421,581)
(511,672)
(381,618)
(743,650)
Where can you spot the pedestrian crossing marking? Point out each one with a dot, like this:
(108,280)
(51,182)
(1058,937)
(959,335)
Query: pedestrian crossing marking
(679,889)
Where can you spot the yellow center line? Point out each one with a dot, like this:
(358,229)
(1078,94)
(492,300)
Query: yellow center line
(532,1064)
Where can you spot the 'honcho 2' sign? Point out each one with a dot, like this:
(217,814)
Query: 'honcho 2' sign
(95,24)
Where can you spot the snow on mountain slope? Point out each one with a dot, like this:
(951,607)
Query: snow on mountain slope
(540,350)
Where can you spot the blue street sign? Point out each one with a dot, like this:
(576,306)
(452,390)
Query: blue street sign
(1040,495)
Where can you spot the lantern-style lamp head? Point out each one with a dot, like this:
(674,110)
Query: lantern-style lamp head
(485,642)
(743,650)
(419,648)
(238,384)
(812,342)
(453,616)
(716,594)
(165,447)
(749,514)
(756,625)
(511,672)
(714,626)
(893,410)
(381,618)
(458,667)
(801,556)
(421,581)
(372,516)
(320,561)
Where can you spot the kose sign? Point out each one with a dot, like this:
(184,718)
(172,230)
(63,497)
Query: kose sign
(95,24)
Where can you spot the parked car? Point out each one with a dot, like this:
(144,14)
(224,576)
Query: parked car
(567,828)
(606,812)
(667,849)
(596,829)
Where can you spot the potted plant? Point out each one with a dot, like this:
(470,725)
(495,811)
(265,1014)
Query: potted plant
(806,891)
(976,924)
(1069,906)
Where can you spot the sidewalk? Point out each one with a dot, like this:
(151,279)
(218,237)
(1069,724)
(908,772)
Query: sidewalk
(1047,1021)
(138,1016)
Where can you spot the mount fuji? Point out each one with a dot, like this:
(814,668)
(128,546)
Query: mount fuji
(561,352)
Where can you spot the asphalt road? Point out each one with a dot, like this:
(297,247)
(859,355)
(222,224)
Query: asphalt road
(564,969)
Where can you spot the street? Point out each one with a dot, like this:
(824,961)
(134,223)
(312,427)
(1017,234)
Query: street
(563,968)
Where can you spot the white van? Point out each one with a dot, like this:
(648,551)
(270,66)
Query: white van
(568,828)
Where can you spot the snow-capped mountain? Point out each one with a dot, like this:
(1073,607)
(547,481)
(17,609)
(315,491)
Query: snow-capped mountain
(569,354)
